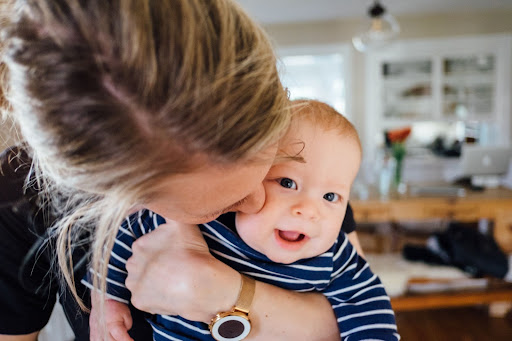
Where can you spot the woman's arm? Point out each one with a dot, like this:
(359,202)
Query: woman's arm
(27,337)
(183,278)
(278,314)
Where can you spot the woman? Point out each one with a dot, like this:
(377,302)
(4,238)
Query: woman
(171,105)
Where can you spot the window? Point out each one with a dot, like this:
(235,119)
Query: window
(317,73)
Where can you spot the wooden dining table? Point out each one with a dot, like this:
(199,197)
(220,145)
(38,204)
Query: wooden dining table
(492,205)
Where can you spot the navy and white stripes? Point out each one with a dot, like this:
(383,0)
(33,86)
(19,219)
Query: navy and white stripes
(357,296)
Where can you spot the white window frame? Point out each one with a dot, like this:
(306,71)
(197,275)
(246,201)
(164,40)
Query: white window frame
(344,49)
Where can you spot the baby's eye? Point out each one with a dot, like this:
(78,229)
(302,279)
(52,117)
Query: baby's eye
(332,197)
(288,183)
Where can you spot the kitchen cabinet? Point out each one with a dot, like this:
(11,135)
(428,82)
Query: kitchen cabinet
(461,82)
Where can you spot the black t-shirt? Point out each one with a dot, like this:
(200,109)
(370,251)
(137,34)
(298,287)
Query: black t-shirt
(27,290)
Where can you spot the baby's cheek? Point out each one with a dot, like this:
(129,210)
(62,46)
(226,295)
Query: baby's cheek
(245,226)
(328,238)
(248,228)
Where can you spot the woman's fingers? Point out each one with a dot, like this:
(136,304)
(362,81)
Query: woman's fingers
(172,272)
(118,332)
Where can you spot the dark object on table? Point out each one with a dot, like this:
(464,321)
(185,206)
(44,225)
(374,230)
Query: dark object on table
(463,247)
(439,147)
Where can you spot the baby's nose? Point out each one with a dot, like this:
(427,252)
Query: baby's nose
(306,208)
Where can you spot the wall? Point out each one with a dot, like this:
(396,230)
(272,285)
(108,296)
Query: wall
(413,27)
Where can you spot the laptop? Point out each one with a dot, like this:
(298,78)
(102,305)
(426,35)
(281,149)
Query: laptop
(484,160)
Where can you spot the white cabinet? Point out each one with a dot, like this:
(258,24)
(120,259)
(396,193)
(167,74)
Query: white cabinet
(463,83)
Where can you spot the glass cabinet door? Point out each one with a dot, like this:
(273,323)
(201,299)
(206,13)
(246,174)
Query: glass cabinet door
(407,89)
(468,90)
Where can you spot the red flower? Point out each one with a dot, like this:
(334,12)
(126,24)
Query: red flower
(398,135)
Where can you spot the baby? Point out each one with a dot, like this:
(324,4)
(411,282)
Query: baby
(293,242)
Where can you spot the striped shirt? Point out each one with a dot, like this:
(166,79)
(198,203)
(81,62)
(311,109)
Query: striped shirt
(358,298)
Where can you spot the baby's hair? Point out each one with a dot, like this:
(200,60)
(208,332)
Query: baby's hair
(324,116)
(112,97)
(321,115)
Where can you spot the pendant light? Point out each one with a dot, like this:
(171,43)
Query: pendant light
(379,29)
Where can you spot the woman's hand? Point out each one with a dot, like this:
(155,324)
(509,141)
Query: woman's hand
(117,320)
(172,272)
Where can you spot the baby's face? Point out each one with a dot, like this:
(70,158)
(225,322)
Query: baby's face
(306,202)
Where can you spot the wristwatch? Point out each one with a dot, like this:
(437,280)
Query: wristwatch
(235,325)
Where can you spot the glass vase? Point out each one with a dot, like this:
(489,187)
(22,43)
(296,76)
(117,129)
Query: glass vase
(398,152)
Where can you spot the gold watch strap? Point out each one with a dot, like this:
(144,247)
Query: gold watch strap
(247,288)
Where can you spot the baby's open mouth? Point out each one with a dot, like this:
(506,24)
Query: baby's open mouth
(290,240)
(291,236)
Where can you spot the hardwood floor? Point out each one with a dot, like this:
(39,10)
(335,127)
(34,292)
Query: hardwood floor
(456,324)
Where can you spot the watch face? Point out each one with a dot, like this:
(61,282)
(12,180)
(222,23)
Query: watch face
(231,328)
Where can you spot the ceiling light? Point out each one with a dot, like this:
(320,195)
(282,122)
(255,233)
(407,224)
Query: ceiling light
(379,29)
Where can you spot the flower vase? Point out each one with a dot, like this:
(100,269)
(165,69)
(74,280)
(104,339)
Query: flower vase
(399,151)
(398,171)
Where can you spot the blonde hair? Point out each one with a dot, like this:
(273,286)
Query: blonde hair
(324,116)
(111,97)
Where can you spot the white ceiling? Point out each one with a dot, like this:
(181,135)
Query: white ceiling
(285,11)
